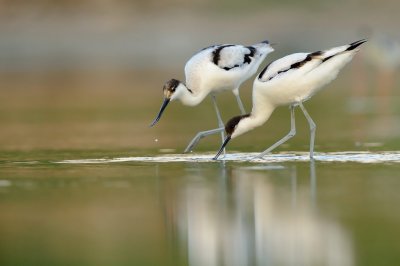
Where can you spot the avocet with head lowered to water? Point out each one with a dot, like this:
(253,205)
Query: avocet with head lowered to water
(291,80)
(211,70)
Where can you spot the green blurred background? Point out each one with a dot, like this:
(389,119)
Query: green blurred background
(83,79)
(87,75)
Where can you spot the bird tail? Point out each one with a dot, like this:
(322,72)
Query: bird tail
(352,47)
(264,45)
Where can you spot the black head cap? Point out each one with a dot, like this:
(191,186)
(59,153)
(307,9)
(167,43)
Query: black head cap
(171,85)
(168,89)
(230,128)
(233,122)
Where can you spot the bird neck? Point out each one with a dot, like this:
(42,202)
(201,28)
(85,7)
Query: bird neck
(261,111)
(257,117)
(188,97)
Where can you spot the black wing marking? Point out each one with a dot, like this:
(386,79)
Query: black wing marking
(296,65)
(354,45)
(316,55)
(217,53)
(260,76)
(351,47)
(247,58)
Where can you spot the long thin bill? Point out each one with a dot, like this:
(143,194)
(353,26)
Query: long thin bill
(163,106)
(228,138)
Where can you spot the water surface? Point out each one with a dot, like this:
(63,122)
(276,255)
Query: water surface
(144,210)
(85,181)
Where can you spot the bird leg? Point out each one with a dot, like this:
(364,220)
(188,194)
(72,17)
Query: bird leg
(313,126)
(239,101)
(291,133)
(202,134)
(220,122)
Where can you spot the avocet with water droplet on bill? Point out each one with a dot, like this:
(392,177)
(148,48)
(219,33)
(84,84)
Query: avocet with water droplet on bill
(291,81)
(211,70)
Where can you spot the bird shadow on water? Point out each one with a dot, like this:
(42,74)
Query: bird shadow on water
(252,215)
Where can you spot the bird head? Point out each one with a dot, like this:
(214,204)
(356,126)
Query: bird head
(170,88)
(236,126)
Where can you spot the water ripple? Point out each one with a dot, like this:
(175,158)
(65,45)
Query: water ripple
(351,156)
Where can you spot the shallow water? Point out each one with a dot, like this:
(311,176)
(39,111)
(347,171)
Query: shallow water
(341,209)
(351,156)
(85,181)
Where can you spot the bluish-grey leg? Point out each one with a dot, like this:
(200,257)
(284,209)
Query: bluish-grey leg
(291,133)
(239,101)
(220,122)
(203,134)
(313,127)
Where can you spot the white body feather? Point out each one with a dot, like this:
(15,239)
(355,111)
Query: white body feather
(203,76)
(299,84)
(293,79)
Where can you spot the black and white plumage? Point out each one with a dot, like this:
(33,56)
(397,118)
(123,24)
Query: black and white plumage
(212,70)
(291,81)
(229,56)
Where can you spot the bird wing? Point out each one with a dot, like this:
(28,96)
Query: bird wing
(229,56)
(283,66)
(303,62)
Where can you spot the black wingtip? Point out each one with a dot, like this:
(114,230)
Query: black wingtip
(354,45)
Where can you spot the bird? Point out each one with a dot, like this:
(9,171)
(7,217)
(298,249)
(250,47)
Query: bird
(290,80)
(211,70)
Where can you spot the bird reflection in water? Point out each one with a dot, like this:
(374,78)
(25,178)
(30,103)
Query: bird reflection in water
(257,215)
